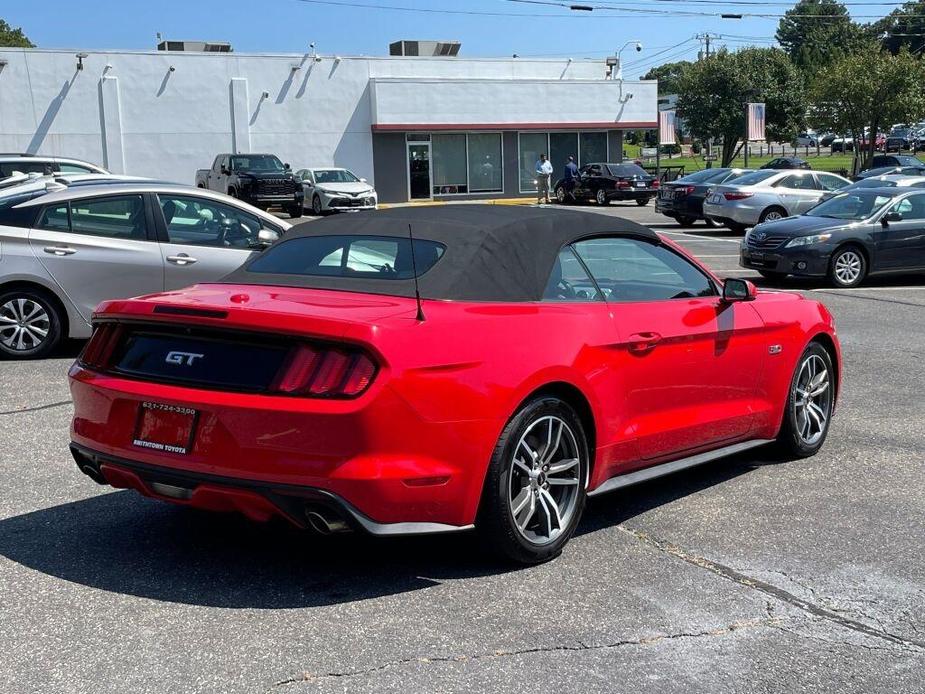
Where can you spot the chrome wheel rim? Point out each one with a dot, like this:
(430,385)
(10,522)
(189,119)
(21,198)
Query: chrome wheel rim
(316,205)
(24,324)
(545,478)
(773,216)
(848,267)
(812,399)
(601,197)
(560,194)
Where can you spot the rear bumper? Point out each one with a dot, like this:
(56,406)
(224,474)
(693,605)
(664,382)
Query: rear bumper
(632,194)
(375,454)
(734,212)
(259,501)
(687,206)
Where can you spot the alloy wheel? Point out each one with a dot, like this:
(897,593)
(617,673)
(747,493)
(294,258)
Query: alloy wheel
(560,194)
(24,324)
(773,216)
(812,399)
(848,267)
(545,479)
(601,197)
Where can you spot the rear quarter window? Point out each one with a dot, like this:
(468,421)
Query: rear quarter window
(370,257)
(24,217)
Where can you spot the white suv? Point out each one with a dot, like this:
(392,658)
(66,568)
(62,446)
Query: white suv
(34,163)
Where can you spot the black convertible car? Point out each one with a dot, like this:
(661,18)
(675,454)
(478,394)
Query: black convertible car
(605,182)
(846,238)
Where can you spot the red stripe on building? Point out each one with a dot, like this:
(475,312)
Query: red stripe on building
(431,127)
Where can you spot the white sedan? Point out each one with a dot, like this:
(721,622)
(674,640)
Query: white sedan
(329,190)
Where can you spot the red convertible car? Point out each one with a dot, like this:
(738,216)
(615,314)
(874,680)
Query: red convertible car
(494,372)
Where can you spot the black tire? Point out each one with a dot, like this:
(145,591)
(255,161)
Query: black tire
(294,211)
(711,223)
(317,209)
(772,214)
(642,202)
(601,197)
(48,320)
(686,221)
(847,267)
(790,439)
(496,519)
(232,193)
(736,228)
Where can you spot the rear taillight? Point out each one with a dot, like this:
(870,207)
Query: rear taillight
(623,184)
(656,183)
(99,350)
(688,190)
(317,371)
(737,196)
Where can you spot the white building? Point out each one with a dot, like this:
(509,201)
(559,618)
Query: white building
(418,127)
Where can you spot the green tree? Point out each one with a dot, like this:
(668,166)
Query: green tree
(813,41)
(713,92)
(13,38)
(869,89)
(904,27)
(668,76)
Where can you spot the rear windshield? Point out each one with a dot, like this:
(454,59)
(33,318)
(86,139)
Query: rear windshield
(754,177)
(626,170)
(906,160)
(369,257)
(702,176)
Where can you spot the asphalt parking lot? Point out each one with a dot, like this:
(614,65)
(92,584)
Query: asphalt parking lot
(751,574)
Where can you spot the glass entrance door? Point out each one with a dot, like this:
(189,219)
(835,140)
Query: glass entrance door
(419,185)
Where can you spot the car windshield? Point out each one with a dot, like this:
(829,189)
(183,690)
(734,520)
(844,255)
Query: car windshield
(626,170)
(873,183)
(906,160)
(257,162)
(754,177)
(702,176)
(854,205)
(334,176)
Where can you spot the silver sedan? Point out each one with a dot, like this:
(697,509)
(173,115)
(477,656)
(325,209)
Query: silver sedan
(768,194)
(67,249)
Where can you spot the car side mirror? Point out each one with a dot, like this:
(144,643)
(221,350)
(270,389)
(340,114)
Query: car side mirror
(891,217)
(738,290)
(287,167)
(267,237)
(363,180)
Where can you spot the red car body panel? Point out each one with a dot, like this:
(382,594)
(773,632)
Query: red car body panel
(416,445)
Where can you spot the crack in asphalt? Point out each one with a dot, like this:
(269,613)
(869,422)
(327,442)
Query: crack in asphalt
(38,407)
(770,621)
(731,574)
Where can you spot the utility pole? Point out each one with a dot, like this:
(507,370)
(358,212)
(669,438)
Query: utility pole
(705,40)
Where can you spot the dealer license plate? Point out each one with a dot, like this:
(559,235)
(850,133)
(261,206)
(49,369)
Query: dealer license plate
(167,428)
(715,198)
(640,184)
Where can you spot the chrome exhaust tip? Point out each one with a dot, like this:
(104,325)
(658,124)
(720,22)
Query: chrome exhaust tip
(325,523)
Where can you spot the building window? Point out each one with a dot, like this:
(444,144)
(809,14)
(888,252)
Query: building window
(532,145)
(593,148)
(450,174)
(561,147)
(586,147)
(485,163)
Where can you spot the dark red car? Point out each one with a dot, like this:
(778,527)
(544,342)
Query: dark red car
(553,355)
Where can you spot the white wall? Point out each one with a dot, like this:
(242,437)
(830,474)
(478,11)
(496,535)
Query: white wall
(140,118)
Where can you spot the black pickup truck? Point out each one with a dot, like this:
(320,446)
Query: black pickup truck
(259,179)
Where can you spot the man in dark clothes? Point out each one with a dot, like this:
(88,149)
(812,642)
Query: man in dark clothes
(571,175)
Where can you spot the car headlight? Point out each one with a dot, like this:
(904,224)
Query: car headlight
(807,240)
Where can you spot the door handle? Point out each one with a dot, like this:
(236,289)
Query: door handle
(181,259)
(59,250)
(643,342)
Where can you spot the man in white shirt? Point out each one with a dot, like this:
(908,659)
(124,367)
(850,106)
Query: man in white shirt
(543,172)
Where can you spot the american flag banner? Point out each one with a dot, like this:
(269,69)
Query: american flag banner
(756,122)
(666,127)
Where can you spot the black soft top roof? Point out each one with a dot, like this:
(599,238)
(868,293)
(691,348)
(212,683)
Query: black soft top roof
(493,252)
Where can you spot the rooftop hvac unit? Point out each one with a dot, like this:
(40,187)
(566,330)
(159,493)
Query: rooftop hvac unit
(428,49)
(196,46)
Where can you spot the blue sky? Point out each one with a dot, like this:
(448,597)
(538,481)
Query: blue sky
(290,25)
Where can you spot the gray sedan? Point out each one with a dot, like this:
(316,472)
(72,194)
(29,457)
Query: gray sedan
(767,195)
(66,251)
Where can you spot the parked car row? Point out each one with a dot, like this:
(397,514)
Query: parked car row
(263,180)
